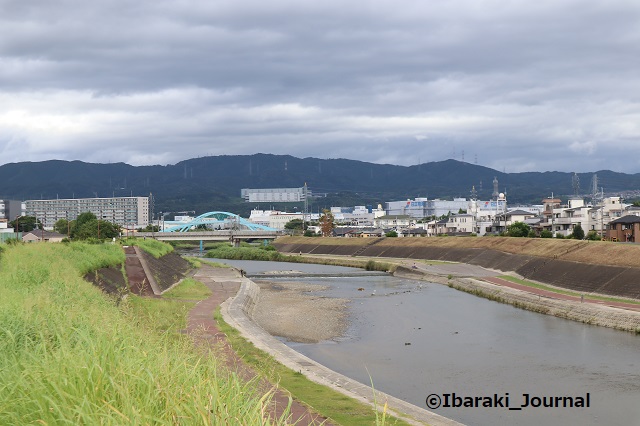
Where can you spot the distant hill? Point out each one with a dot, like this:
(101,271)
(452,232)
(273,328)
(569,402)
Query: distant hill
(214,183)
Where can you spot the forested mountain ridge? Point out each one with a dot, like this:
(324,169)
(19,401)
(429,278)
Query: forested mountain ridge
(214,183)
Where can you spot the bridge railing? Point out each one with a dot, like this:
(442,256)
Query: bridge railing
(222,233)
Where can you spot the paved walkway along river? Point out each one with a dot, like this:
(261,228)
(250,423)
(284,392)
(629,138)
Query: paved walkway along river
(224,283)
(472,271)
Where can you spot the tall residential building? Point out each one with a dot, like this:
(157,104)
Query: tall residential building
(128,212)
(10,209)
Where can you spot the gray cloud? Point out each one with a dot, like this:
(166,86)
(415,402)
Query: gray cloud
(545,86)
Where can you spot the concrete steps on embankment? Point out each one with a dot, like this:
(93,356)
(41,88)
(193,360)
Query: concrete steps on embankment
(139,281)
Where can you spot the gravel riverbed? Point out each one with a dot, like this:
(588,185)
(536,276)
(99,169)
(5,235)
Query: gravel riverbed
(294,311)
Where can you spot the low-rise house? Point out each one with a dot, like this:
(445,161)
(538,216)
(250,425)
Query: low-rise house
(504,220)
(414,232)
(39,235)
(626,229)
(393,221)
(461,224)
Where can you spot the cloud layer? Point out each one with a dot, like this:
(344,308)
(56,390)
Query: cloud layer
(546,85)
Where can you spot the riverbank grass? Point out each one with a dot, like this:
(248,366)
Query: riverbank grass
(69,355)
(155,248)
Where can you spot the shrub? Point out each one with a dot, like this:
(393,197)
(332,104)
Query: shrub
(518,229)
(578,232)
(546,234)
(372,265)
(593,236)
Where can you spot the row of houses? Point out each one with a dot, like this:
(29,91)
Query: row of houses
(611,219)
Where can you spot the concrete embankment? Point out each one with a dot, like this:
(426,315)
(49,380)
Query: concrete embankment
(600,315)
(581,266)
(145,275)
(237,312)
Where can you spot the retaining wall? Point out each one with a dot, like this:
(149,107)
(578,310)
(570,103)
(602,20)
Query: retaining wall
(600,315)
(619,281)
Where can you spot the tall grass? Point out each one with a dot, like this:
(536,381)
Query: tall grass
(68,355)
(155,248)
(269,253)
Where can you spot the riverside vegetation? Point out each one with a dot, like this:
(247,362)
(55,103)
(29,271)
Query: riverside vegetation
(69,354)
(270,253)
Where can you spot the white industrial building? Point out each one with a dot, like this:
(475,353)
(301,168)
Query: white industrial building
(275,195)
(128,212)
(422,207)
(277,219)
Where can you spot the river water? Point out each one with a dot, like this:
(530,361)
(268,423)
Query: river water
(414,339)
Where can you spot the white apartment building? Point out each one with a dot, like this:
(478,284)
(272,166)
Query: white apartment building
(461,224)
(563,219)
(10,209)
(277,219)
(128,212)
(397,222)
(359,216)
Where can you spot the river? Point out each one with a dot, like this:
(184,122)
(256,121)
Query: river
(414,339)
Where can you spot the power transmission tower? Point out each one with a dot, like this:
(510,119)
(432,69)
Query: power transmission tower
(575,183)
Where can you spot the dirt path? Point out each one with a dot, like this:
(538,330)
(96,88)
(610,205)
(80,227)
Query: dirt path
(224,283)
(554,295)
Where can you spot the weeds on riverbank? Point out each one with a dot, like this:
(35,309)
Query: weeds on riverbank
(372,265)
(268,253)
(155,248)
(68,355)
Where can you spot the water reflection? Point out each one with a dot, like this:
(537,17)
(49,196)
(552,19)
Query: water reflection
(416,338)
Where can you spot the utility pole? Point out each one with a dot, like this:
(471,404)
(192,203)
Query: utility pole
(306,208)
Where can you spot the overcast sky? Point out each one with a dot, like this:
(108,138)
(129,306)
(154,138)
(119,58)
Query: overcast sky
(514,85)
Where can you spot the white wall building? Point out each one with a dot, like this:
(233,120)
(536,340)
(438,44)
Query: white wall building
(128,212)
(275,195)
(397,222)
(277,219)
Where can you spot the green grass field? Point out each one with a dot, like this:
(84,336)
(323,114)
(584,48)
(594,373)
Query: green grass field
(69,355)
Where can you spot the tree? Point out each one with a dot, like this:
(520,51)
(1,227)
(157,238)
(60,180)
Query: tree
(84,218)
(391,234)
(518,229)
(62,226)
(294,224)
(309,233)
(99,229)
(327,223)
(25,224)
(578,232)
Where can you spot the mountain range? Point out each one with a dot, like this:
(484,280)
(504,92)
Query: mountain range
(214,183)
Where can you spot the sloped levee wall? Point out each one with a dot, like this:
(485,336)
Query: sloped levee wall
(620,281)
(167,270)
(110,280)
